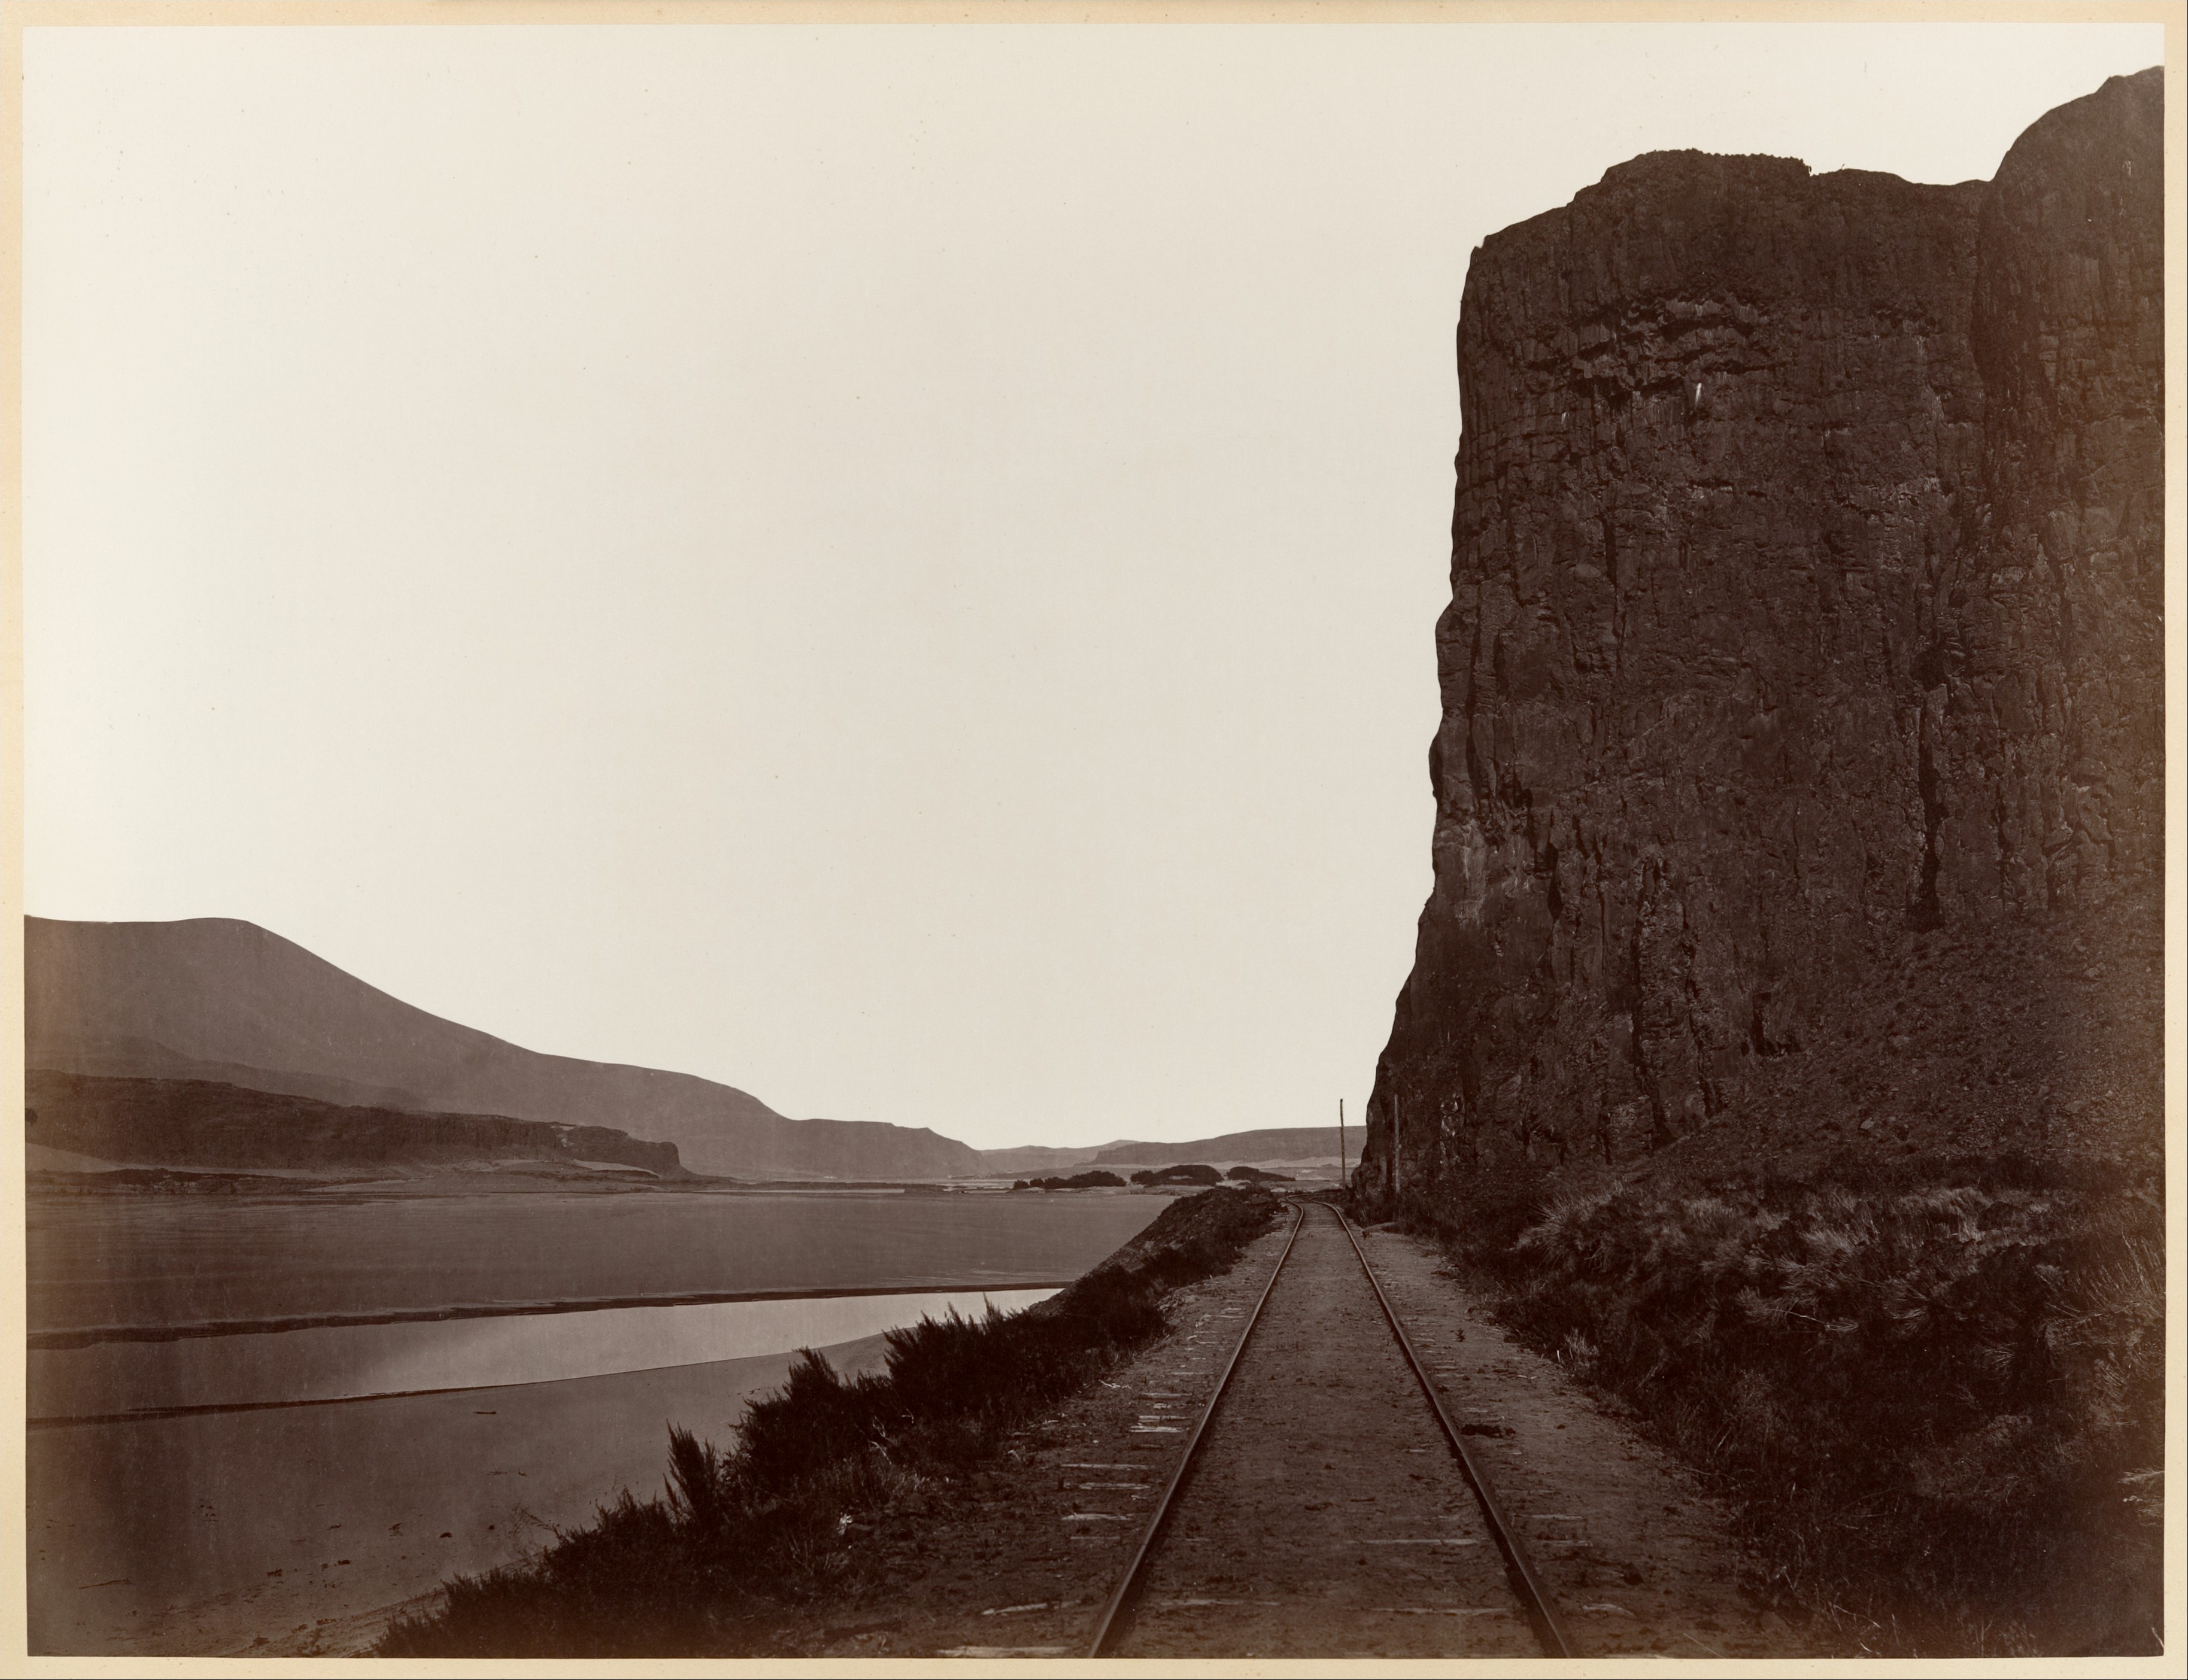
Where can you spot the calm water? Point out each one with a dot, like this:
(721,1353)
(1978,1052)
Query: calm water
(114,1261)
(198,1533)
(344,1362)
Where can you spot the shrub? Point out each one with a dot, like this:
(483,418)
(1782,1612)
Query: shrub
(1936,1393)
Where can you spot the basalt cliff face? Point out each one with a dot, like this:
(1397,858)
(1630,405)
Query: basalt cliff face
(1803,681)
(198,1123)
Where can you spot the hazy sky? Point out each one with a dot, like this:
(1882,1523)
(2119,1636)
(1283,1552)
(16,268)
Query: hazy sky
(891,568)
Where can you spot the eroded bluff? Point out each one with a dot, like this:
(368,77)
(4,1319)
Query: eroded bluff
(1801,761)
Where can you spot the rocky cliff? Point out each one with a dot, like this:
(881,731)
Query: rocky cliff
(1801,682)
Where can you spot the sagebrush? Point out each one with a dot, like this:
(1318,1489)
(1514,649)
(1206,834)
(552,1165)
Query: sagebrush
(1937,1394)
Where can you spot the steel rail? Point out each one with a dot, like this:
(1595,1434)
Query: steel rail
(1524,1582)
(1116,1613)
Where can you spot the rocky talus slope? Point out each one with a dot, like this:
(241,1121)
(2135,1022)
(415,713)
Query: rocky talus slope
(1799,784)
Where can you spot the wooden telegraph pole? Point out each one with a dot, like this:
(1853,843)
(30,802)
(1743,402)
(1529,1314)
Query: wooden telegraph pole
(1397,1153)
(1340,1143)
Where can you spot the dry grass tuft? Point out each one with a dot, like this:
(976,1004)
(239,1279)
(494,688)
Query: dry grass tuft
(1937,1394)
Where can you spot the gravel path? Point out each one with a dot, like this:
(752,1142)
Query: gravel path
(1635,1556)
(1327,1517)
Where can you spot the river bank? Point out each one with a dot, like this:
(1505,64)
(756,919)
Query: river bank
(297,1531)
(215,1384)
(776,1528)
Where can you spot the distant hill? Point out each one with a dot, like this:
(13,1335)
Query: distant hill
(1279,1143)
(227,1001)
(1037,1157)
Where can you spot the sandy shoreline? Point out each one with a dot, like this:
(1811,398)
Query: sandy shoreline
(297,1530)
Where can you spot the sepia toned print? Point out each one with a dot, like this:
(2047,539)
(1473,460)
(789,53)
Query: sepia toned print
(1746,1241)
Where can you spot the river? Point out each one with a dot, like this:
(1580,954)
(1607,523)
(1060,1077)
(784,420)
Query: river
(334,1403)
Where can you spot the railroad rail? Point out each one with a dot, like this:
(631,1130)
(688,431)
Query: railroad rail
(1526,1586)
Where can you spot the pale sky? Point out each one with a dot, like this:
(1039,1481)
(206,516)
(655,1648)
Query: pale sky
(894,568)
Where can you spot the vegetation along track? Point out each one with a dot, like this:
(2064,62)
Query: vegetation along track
(1326,1504)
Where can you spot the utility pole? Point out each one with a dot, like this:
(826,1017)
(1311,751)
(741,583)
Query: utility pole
(1340,1143)
(1397,1153)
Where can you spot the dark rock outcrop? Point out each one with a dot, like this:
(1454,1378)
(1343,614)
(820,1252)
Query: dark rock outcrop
(197,1123)
(1806,595)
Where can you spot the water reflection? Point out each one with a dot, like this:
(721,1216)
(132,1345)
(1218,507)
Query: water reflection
(295,1366)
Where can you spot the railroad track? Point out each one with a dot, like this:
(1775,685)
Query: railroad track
(1323,1394)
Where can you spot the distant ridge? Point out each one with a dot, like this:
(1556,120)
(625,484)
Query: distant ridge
(225,1000)
(1038,1158)
(1279,1143)
(1275,1144)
